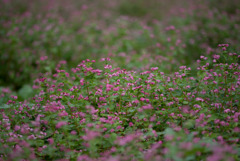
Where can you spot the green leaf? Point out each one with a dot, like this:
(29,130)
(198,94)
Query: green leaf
(169,131)
(26,91)
(113,137)
(189,124)
(4,106)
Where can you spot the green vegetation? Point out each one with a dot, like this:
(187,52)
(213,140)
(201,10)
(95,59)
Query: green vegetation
(119,80)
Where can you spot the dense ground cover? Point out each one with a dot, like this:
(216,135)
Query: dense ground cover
(116,114)
(135,81)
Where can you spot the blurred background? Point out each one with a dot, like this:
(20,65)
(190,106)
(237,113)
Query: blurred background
(136,34)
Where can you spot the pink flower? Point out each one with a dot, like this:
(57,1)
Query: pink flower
(112,130)
(16,128)
(67,74)
(14,97)
(126,139)
(119,127)
(107,67)
(50,140)
(90,135)
(182,67)
(154,68)
(154,133)
(142,99)
(60,124)
(135,101)
(102,99)
(170,103)
(146,107)
(197,106)
(73,132)
(199,99)
(187,87)
(130,124)
(216,56)
(82,81)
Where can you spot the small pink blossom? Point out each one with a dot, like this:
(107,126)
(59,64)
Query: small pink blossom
(199,99)
(60,124)
(154,68)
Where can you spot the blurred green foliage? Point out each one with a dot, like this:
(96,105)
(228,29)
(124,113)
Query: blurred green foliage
(35,36)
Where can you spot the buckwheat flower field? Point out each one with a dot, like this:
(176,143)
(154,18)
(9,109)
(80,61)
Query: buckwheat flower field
(119,80)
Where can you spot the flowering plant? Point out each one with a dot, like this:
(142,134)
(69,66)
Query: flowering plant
(116,114)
